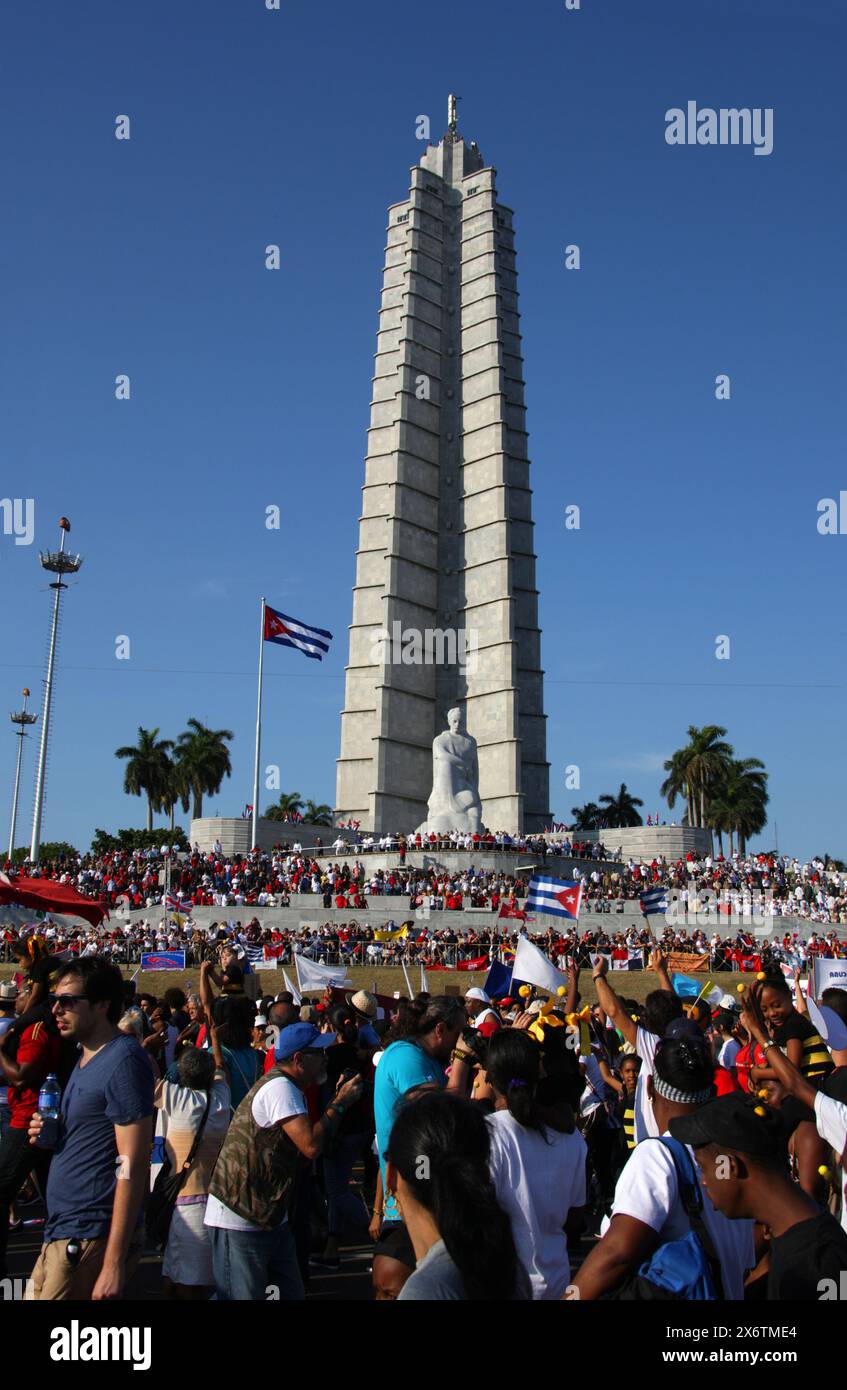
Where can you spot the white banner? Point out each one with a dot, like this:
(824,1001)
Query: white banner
(827,974)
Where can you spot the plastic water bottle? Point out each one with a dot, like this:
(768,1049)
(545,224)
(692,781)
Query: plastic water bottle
(48,1108)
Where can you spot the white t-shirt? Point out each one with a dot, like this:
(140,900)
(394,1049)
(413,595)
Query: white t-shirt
(645,1121)
(648,1190)
(537,1183)
(279,1100)
(728,1053)
(831,1121)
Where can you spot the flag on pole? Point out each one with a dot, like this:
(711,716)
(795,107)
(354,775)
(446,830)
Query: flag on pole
(290,632)
(532,965)
(292,990)
(653,901)
(499,981)
(310,975)
(688,988)
(558,897)
(175,904)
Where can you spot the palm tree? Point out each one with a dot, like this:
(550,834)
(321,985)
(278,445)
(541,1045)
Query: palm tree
(202,764)
(175,790)
(317,814)
(288,802)
(586,817)
(148,769)
(698,767)
(621,810)
(739,802)
(676,784)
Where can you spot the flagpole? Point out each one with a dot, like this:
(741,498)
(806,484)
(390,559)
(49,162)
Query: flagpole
(255,830)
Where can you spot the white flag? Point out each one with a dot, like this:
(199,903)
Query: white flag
(533,966)
(831,1028)
(313,976)
(295,993)
(424,982)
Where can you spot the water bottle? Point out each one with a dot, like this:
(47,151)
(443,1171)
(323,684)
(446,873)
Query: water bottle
(48,1108)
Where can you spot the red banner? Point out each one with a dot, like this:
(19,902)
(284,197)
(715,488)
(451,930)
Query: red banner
(478,963)
(750,963)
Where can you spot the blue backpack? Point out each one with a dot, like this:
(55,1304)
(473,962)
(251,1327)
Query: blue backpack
(687,1268)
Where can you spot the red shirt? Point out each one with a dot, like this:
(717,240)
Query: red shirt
(35,1046)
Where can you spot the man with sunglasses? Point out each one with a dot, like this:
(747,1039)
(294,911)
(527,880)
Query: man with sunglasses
(101,1166)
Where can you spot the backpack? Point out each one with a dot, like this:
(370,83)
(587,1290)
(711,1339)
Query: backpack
(687,1268)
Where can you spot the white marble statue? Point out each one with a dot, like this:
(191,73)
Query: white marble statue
(454,802)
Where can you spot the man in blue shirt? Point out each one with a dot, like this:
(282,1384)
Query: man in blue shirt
(101,1167)
(416,1063)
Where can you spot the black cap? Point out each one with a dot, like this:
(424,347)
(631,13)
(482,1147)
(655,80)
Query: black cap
(683,1028)
(835,1085)
(736,1121)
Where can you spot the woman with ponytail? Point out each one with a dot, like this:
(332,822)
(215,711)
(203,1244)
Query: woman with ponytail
(437,1173)
(538,1171)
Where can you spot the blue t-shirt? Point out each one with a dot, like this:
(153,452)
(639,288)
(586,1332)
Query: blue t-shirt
(114,1088)
(402,1066)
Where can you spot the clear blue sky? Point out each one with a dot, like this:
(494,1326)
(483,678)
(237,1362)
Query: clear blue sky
(251,388)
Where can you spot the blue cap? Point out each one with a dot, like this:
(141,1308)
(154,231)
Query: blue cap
(297,1037)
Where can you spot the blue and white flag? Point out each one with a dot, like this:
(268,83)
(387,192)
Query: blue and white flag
(253,956)
(653,901)
(559,897)
(290,632)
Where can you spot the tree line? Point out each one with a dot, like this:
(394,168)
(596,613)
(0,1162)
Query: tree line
(721,793)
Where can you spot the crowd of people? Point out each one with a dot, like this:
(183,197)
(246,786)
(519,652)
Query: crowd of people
(478,1142)
(768,884)
(415,942)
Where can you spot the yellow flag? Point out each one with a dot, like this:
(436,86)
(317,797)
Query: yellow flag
(391,935)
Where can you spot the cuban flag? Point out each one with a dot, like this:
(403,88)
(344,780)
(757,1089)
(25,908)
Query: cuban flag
(560,897)
(654,900)
(290,632)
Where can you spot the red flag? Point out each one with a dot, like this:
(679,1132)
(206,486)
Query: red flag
(512,910)
(478,963)
(44,895)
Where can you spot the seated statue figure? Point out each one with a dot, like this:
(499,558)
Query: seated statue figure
(454,802)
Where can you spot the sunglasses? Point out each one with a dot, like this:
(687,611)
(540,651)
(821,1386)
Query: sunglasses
(65,1001)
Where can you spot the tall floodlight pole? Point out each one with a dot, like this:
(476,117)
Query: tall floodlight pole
(58,562)
(22,719)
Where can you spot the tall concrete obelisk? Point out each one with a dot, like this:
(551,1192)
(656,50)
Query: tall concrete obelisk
(445,535)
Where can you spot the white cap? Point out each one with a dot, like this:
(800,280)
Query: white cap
(476,993)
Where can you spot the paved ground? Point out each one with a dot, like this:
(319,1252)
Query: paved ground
(352,1282)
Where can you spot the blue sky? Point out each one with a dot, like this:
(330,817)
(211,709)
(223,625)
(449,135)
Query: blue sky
(251,388)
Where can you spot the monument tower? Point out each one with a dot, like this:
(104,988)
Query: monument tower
(445,536)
